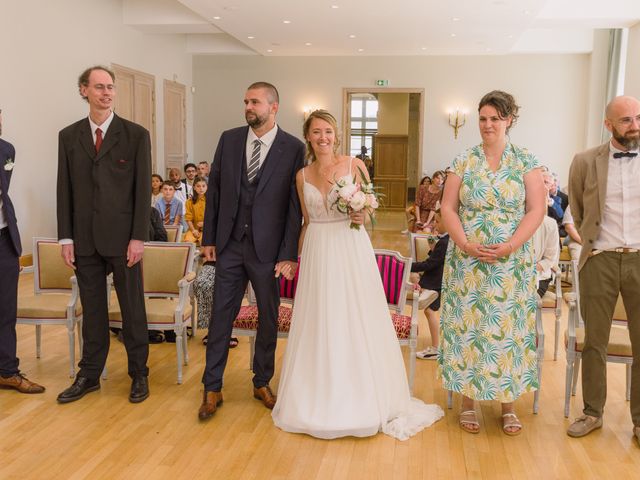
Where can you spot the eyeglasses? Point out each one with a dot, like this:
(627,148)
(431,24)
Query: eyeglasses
(627,121)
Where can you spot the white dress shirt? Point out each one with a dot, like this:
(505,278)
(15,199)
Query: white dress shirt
(546,247)
(265,143)
(620,223)
(104,127)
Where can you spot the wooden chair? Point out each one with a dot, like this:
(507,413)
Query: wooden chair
(55,298)
(174,233)
(394,271)
(246,323)
(618,350)
(167,278)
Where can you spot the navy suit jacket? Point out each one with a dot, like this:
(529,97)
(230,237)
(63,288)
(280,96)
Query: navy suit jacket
(7,156)
(276,217)
(103,199)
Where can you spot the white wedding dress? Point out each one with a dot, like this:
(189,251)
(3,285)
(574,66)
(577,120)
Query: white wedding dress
(343,373)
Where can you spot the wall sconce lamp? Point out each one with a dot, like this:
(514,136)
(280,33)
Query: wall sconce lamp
(307,111)
(457,119)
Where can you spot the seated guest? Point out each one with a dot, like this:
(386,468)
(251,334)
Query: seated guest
(169,206)
(203,171)
(573,240)
(190,172)
(156,186)
(194,215)
(546,251)
(431,279)
(410,212)
(427,201)
(557,202)
(174,178)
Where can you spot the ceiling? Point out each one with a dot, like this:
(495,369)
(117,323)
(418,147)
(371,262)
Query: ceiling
(378,28)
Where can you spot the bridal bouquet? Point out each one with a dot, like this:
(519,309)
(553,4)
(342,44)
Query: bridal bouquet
(350,196)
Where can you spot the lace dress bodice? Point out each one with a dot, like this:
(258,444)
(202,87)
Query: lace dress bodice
(319,208)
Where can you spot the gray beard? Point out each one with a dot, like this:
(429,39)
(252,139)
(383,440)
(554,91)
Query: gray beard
(628,143)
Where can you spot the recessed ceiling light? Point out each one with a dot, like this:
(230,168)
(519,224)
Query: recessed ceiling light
(352,36)
(423,48)
(334,6)
(453,34)
(286,21)
(308,44)
(251,37)
(361,49)
(509,36)
(269,50)
(217,18)
(455,19)
(527,12)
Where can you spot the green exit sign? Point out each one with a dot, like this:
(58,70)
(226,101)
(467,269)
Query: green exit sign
(382,83)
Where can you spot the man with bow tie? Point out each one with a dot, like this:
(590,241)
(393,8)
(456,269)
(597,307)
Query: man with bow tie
(104,167)
(604,192)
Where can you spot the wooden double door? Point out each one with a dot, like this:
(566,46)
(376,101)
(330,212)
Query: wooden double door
(390,169)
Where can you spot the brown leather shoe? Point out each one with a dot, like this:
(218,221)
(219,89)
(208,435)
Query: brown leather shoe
(21,383)
(210,403)
(265,395)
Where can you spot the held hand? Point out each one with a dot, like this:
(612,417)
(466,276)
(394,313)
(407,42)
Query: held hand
(500,250)
(209,254)
(479,251)
(68,255)
(286,268)
(134,252)
(357,217)
(200,224)
(195,233)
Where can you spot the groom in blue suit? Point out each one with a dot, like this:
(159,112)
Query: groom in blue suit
(251,229)
(10,250)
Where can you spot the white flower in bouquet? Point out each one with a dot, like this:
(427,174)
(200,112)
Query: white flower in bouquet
(347,191)
(358,201)
(372,201)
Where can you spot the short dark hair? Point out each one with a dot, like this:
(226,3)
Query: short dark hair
(168,184)
(189,165)
(203,162)
(155,175)
(83,79)
(272,91)
(504,103)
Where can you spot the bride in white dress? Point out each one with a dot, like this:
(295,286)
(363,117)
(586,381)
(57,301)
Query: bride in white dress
(343,373)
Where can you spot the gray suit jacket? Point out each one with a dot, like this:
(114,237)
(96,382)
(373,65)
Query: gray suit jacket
(587,192)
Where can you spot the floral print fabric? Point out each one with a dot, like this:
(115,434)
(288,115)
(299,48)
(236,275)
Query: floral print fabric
(487,338)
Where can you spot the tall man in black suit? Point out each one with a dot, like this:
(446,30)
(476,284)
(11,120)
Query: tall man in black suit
(104,172)
(251,227)
(10,249)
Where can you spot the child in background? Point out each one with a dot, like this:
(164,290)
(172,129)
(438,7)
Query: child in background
(432,268)
(170,208)
(195,212)
(156,188)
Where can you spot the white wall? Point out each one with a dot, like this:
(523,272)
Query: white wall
(552,90)
(45,46)
(632,77)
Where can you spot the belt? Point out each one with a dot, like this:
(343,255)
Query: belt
(595,251)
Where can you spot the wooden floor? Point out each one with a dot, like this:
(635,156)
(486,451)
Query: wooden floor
(105,436)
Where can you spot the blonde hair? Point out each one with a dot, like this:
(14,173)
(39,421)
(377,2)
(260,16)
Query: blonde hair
(327,117)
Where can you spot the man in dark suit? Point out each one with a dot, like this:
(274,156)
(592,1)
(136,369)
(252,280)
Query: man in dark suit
(10,249)
(251,228)
(104,171)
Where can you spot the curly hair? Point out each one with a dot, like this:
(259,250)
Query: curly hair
(504,103)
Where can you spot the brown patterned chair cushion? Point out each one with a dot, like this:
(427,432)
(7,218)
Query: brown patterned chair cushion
(247,318)
(402,325)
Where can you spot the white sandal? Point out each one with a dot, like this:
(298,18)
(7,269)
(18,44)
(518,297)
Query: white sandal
(471,419)
(514,423)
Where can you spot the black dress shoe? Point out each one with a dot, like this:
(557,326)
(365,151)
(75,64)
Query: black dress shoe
(81,386)
(139,389)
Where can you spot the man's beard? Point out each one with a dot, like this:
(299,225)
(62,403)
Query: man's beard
(256,120)
(626,142)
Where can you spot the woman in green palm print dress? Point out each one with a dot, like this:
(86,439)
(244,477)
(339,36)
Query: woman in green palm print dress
(492,204)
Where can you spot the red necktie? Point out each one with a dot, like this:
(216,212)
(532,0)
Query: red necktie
(98,139)
(167,213)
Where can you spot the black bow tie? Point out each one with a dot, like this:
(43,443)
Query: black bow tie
(625,154)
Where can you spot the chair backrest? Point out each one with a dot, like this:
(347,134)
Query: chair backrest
(163,265)
(420,245)
(174,233)
(394,272)
(50,274)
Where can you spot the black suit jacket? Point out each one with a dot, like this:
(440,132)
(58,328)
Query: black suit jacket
(8,157)
(103,199)
(433,266)
(276,215)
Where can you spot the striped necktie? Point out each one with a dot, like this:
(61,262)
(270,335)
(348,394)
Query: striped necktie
(167,213)
(254,163)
